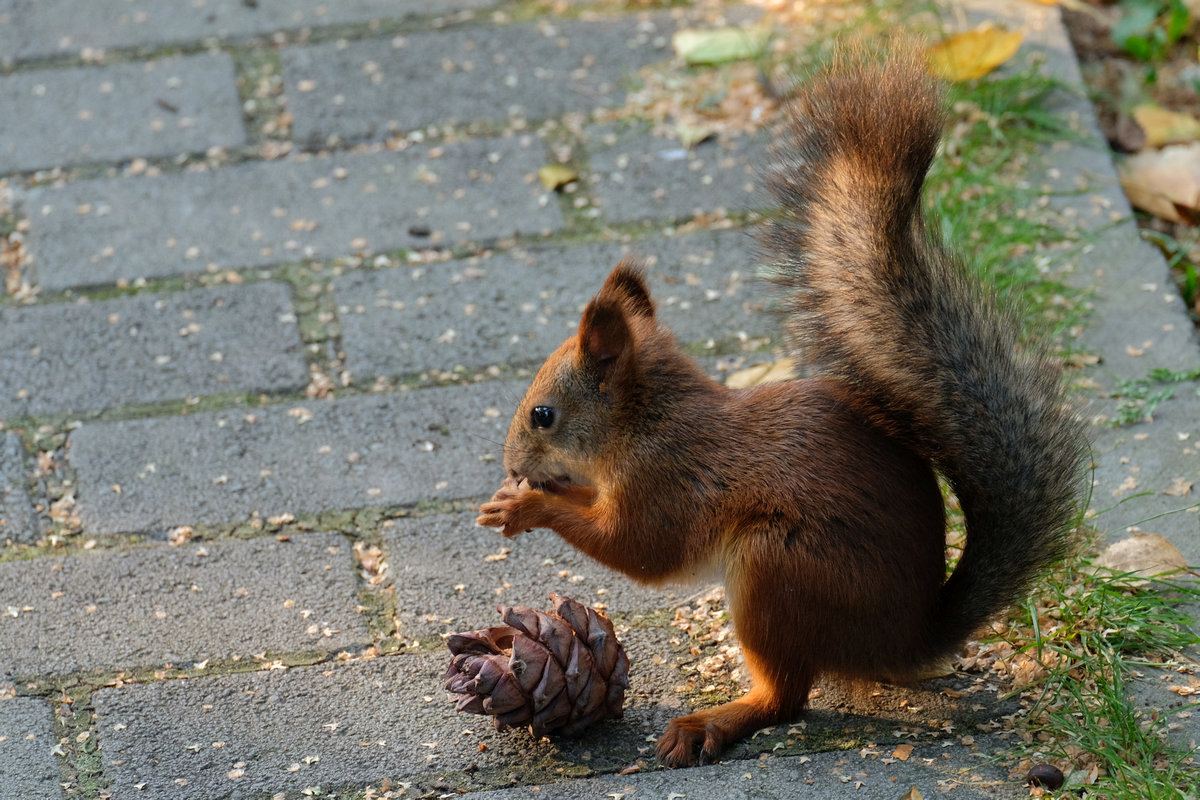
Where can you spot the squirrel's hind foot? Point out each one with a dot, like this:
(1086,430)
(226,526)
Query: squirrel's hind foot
(703,735)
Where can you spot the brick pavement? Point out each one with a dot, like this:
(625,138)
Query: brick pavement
(245,365)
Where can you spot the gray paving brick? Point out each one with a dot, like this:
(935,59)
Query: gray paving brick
(516,307)
(55,27)
(163,107)
(268,212)
(398,448)
(861,775)
(28,768)
(17,521)
(345,726)
(448,575)
(462,75)
(634,175)
(147,348)
(149,606)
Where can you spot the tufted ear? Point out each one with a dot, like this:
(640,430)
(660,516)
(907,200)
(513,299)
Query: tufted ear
(606,330)
(626,284)
(611,323)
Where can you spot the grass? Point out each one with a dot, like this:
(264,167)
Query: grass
(1090,630)
(1140,397)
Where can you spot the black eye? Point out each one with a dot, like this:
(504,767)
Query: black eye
(541,416)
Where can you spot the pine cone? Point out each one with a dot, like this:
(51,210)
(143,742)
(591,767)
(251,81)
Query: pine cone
(555,671)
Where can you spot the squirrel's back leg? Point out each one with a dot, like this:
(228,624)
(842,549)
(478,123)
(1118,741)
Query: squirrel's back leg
(773,698)
(776,655)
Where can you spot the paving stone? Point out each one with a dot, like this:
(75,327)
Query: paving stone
(635,175)
(516,307)
(365,721)
(28,768)
(148,348)
(268,212)
(17,520)
(819,776)
(34,28)
(463,75)
(446,576)
(390,449)
(148,606)
(163,107)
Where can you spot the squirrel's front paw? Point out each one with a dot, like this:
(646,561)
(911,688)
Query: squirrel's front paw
(509,508)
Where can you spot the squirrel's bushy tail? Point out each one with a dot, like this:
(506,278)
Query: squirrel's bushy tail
(874,300)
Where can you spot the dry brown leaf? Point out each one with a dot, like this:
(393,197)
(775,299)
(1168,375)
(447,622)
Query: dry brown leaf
(1026,670)
(1179,487)
(781,370)
(1145,554)
(938,669)
(1165,183)
(913,793)
(902,752)
(1165,127)
(974,53)
(499,555)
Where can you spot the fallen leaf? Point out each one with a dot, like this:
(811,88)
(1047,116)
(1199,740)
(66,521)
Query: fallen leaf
(938,669)
(1165,127)
(1026,670)
(691,135)
(556,176)
(1178,488)
(902,751)
(500,555)
(781,370)
(974,53)
(1165,183)
(719,45)
(1144,554)
(913,793)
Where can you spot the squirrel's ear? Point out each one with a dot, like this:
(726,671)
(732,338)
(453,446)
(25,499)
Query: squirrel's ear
(606,330)
(626,285)
(603,331)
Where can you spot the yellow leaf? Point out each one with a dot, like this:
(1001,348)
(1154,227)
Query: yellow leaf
(973,54)
(692,135)
(555,176)
(1166,127)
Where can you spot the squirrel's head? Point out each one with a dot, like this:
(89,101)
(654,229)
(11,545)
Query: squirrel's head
(565,422)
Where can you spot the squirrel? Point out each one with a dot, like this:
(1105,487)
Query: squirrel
(816,499)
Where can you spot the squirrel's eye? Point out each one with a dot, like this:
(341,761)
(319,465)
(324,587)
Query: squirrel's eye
(541,416)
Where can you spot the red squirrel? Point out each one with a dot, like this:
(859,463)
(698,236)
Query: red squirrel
(816,499)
